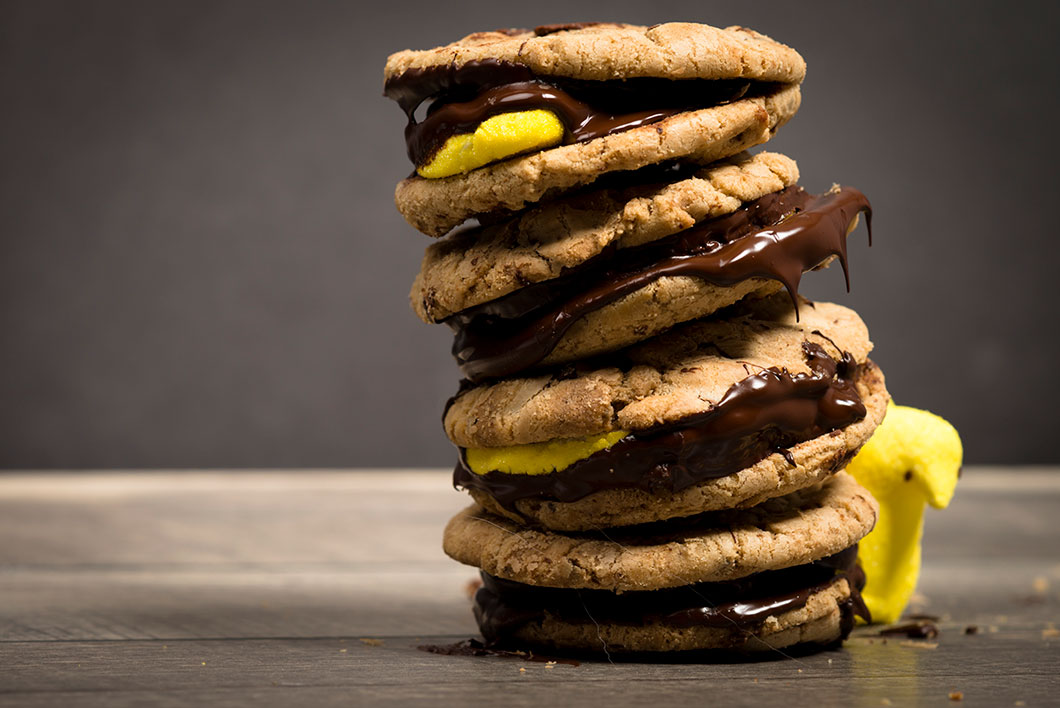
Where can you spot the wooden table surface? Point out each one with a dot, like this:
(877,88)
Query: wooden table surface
(316,587)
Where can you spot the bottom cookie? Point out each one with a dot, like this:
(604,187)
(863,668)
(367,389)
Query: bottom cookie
(805,606)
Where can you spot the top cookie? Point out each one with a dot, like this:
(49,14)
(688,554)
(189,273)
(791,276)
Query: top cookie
(500,120)
(604,51)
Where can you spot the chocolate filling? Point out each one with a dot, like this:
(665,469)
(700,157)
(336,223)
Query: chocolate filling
(777,237)
(503,606)
(464,96)
(766,412)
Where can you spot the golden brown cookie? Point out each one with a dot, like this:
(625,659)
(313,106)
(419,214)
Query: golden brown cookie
(676,375)
(780,574)
(478,265)
(620,96)
(779,473)
(589,275)
(716,414)
(787,531)
(824,618)
(436,206)
(603,50)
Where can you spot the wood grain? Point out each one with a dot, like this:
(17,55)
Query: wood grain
(222,588)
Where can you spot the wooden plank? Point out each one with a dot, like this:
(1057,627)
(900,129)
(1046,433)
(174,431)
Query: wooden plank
(222,517)
(115,588)
(990,669)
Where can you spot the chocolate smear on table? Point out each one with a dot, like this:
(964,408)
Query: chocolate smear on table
(921,629)
(473,647)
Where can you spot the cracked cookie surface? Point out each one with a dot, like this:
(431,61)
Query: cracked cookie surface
(603,51)
(795,529)
(436,206)
(819,621)
(804,464)
(482,264)
(663,380)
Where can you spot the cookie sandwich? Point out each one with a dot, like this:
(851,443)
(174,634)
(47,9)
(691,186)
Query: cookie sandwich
(499,120)
(585,275)
(720,413)
(781,574)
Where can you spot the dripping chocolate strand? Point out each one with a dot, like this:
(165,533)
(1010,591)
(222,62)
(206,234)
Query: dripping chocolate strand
(776,237)
(757,415)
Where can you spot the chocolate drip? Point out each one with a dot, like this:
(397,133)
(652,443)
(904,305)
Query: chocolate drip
(776,237)
(414,86)
(503,606)
(770,410)
(467,95)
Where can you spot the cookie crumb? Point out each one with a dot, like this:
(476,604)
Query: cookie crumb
(1050,633)
(972,629)
(919,645)
(1040,585)
(371,641)
(522,669)
(885,702)
(343,651)
(956,696)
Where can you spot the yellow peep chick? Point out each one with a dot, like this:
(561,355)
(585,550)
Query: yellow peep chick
(913,459)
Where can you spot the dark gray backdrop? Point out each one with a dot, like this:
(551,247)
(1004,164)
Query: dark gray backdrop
(201,263)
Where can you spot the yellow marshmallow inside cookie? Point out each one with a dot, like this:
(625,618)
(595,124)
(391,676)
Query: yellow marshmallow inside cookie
(495,139)
(538,458)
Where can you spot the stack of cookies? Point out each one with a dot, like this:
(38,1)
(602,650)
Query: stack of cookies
(653,423)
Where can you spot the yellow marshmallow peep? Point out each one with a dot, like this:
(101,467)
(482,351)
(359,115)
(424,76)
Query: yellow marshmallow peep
(913,459)
(494,139)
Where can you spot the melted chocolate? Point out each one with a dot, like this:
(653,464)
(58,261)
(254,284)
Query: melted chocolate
(503,606)
(581,122)
(921,629)
(765,412)
(473,647)
(465,96)
(414,86)
(777,237)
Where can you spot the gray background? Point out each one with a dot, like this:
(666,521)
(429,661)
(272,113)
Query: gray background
(201,264)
